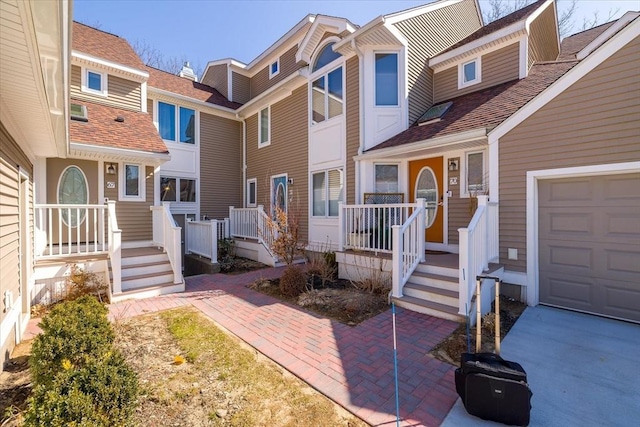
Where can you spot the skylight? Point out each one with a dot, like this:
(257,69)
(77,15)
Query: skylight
(79,112)
(434,113)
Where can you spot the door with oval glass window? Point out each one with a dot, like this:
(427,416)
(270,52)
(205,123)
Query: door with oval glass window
(425,181)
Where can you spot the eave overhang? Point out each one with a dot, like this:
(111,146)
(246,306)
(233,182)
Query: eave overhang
(96,152)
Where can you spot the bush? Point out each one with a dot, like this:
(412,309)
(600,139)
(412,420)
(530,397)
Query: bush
(226,254)
(82,282)
(77,331)
(293,282)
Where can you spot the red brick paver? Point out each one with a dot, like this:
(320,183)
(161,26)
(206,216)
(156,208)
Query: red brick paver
(351,365)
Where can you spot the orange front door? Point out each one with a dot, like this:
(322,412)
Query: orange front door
(425,181)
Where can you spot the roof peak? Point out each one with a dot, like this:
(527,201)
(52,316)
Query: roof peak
(97,29)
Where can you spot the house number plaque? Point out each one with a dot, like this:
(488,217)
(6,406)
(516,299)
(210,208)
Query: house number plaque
(111,184)
(453,180)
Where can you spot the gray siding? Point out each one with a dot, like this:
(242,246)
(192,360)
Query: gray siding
(429,34)
(220,165)
(543,45)
(121,93)
(352,106)
(288,153)
(497,67)
(241,88)
(261,81)
(218,78)
(595,121)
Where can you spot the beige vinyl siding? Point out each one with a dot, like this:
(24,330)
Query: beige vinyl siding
(150,107)
(543,45)
(217,77)
(458,208)
(121,93)
(352,106)
(261,81)
(595,121)
(241,88)
(429,34)
(288,153)
(498,67)
(134,218)
(220,165)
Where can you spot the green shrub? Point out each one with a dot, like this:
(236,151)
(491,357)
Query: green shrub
(226,254)
(293,281)
(75,330)
(101,393)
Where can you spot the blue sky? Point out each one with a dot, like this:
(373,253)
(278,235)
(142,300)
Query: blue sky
(205,30)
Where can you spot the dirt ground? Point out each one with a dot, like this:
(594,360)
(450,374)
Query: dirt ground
(15,385)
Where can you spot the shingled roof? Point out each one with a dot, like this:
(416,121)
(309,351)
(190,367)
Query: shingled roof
(575,43)
(485,108)
(105,45)
(171,83)
(136,132)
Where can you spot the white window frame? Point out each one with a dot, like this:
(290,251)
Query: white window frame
(268,140)
(272,74)
(178,179)
(375,165)
(249,203)
(461,83)
(323,73)
(176,135)
(464,185)
(326,191)
(397,54)
(84,82)
(122,182)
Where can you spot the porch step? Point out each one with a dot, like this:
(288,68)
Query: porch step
(439,270)
(145,280)
(429,307)
(137,269)
(144,255)
(439,295)
(435,280)
(148,291)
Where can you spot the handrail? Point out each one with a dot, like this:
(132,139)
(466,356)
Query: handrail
(202,237)
(115,249)
(168,235)
(408,248)
(252,223)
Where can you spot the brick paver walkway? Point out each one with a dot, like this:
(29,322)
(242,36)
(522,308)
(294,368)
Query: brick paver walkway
(351,365)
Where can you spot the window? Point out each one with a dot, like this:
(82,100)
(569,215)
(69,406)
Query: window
(274,69)
(167,123)
(264,128)
(132,182)
(386,179)
(94,82)
(325,57)
(386,79)
(177,189)
(73,189)
(475,181)
(469,73)
(328,188)
(251,192)
(79,112)
(326,96)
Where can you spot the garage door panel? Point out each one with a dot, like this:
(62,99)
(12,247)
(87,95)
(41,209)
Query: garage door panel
(624,264)
(621,187)
(622,302)
(569,290)
(576,190)
(580,259)
(624,224)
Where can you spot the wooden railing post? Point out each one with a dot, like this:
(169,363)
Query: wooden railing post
(396,267)
(214,241)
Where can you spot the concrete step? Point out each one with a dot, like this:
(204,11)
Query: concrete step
(439,270)
(148,291)
(431,308)
(431,293)
(144,280)
(435,280)
(146,268)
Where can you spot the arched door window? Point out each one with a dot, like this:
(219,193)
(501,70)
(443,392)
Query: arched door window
(427,188)
(73,190)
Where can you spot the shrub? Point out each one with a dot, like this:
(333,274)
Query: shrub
(226,254)
(293,282)
(82,282)
(77,331)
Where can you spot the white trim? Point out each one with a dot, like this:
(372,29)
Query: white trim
(515,278)
(323,70)
(323,73)
(383,163)
(399,91)
(143,97)
(523,66)
(142,75)
(87,187)
(464,169)
(326,171)
(84,82)
(267,142)
(82,148)
(206,107)
(272,74)
(396,17)
(606,35)
(229,84)
(478,73)
(605,51)
(533,282)
(278,92)
(122,196)
(11,319)
(248,203)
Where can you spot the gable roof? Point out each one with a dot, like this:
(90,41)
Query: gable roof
(575,43)
(104,45)
(486,108)
(136,133)
(182,86)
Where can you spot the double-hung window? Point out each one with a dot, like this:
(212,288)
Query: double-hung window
(326,88)
(386,178)
(328,190)
(177,189)
(252,196)
(132,182)
(386,79)
(475,173)
(469,73)
(176,123)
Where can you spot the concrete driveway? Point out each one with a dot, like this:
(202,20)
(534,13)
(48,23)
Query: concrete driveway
(583,370)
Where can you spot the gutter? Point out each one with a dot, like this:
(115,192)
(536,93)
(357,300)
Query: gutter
(247,109)
(228,112)
(119,152)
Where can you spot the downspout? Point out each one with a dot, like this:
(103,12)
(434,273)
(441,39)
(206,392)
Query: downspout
(361,116)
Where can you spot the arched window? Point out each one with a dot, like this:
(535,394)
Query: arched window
(73,190)
(325,56)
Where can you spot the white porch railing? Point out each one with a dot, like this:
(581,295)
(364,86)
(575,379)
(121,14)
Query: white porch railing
(115,248)
(168,235)
(59,240)
(202,237)
(478,247)
(251,223)
(408,248)
(368,227)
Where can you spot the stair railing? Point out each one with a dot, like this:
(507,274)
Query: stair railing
(168,236)
(408,247)
(115,248)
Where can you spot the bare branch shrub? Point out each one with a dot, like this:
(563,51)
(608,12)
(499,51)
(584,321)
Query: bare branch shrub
(372,276)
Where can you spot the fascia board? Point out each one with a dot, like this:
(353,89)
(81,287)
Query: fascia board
(606,35)
(141,75)
(118,152)
(204,106)
(396,17)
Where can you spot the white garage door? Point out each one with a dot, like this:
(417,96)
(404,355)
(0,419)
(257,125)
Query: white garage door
(589,244)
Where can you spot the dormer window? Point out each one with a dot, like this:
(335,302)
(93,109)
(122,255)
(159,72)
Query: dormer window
(94,82)
(326,56)
(469,73)
(274,69)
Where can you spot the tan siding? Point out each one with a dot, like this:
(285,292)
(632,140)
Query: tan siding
(150,107)
(428,34)
(458,209)
(352,101)
(543,45)
(596,121)
(497,67)
(261,81)
(288,152)
(241,88)
(218,78)
(220,165)
(134,218)
(121,93)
